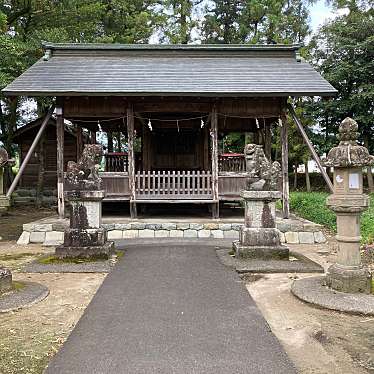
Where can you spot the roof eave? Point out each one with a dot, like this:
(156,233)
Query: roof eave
(183,94)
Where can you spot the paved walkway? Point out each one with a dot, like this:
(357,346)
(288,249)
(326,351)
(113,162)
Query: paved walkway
(171,308)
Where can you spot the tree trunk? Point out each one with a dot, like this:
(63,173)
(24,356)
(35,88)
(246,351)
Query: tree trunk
(307,179)
(40,183)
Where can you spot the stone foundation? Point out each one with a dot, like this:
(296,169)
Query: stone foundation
(50,231)
(103,251)
(350,281)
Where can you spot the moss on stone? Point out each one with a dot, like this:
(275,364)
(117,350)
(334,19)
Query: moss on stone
(17,286)
(52,260)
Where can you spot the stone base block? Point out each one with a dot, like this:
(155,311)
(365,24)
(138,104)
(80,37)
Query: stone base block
(279,252)
(5,280)
(250,236)
(348,280)
(104,251)
(84,238)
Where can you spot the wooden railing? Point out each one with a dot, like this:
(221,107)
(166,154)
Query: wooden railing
(116,162)
(234,162)
(173,185)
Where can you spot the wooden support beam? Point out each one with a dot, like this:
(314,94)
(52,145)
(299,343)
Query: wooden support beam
(285,182)
(30,151)
(214,145)
(131,160)
(267,148)
(79,142)
(310,146)
(60,132)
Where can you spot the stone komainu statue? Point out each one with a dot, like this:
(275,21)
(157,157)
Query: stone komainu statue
(262,174)
(84,174)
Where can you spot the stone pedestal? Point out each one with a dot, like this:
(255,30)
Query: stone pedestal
(259,237)
(4,204)
(5,280)
(85,237)
(348,202)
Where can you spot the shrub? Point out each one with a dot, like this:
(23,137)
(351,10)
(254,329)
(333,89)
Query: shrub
(312,206)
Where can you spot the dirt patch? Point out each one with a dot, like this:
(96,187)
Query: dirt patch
(317,340)
(11,222)
(30,337)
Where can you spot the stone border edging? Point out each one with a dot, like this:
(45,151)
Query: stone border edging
(31,294)
(313,291)
(51,234)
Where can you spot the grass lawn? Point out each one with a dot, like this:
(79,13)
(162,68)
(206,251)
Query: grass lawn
(312,206)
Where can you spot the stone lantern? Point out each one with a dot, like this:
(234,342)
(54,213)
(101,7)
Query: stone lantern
(348,201)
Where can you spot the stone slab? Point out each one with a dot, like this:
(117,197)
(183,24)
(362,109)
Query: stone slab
(176,233)
(301,265)
(24,239)
(190,233)
(203,234)
(319,237)
(53,238)
(162,234)
(37,237)
(146,233)
(291,237)
(115,234)
(313,291)
(29,295)
(306,237)
(130,234)
(217,234)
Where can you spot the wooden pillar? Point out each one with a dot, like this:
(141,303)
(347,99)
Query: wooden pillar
(110,141)
(267,148)
(131,160)
(285,182)
(93,137)
(60,160)
(214,145)
(79,142)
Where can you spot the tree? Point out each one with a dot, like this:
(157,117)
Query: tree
(179,20)
(343,52)
(256,21)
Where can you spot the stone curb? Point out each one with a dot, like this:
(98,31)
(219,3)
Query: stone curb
(31,294)
(52,234)
(313,291)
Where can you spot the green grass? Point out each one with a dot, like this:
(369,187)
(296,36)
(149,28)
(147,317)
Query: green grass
(312,206)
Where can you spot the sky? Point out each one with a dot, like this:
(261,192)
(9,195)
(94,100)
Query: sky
(320,13)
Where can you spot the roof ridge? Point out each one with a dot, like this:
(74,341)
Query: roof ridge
(170,47)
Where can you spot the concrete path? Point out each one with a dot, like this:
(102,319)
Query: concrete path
(171,308)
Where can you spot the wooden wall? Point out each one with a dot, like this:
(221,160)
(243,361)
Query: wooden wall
(30,175)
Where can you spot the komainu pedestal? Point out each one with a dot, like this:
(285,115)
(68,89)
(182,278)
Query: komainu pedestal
(85,236)
(259,238)
(5,280)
